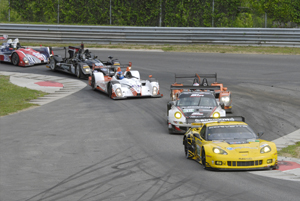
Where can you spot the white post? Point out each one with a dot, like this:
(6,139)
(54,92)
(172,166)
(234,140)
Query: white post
(265,20)
(9,11)
(213,10)
(58,12)
(160,15)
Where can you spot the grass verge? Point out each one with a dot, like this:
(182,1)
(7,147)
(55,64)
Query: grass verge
(14,98)
(291,151)
(187,48)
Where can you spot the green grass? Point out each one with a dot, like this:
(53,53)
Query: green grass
(14,98)
(291,151)
(186,48)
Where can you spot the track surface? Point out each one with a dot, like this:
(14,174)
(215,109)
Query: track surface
(88,147)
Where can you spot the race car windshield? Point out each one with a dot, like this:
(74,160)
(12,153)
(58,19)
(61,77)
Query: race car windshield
(197,101)
(230,132)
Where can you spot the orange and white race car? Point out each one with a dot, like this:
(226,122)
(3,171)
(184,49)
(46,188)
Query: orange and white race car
(222,95)
(121,85)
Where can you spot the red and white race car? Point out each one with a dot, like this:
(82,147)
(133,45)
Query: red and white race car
(12,52)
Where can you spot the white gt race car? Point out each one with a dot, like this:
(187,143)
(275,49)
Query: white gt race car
(119,85)
(193,104)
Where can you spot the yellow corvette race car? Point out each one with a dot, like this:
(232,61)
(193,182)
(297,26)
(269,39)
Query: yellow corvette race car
(228,143)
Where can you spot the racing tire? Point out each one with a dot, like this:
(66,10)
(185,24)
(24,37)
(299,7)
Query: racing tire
(109,90)
(78,71)
(15,59)
(187,150)
(170,130)
(52,64)
(93,84)
(203,159)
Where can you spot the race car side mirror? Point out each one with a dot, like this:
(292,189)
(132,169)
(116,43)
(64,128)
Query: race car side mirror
(197,135)
(259,134)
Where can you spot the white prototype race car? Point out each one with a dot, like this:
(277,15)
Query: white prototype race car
(119,85)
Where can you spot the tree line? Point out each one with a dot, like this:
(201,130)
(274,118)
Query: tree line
(166,13)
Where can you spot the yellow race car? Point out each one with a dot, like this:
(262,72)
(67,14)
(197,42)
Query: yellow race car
(228,143)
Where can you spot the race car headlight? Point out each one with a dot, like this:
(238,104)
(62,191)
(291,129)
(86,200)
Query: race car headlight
(26,61)
(219,151)
(225,99)
(265,149)
(177,115)
(216,115)
(119,92)
(173,97)
(86,69)
(154,91)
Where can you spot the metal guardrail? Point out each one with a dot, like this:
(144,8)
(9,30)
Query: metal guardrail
(152,35)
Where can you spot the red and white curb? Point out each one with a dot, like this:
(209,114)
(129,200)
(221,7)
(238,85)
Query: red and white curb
(57,87)
(289,168)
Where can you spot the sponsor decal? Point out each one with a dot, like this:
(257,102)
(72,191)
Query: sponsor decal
(212,119)
(188,110)
(196,95)
(263,145)
(98,64)
(252,140)
(245,158)
(36,54)
(233,148)
(197,114)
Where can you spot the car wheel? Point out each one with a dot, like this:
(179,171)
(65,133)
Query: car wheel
(93,85)
(170,129)
(203,159)
(78,71)
(15,59)
(52,63)
(109,90)
(187,152)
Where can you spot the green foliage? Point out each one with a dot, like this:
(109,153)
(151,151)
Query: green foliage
(243,20)
(291,151)
(171,13)
(5,15)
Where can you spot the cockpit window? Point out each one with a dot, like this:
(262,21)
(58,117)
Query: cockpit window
(196,100)
(230,132)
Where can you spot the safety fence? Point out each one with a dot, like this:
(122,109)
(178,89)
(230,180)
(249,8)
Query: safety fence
(152,35)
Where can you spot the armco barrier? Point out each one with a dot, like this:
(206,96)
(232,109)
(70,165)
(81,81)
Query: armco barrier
(152,35)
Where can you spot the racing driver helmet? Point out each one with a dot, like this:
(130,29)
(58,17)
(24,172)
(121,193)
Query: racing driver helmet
(120,75)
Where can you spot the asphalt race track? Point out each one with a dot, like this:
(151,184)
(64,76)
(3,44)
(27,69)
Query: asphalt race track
(87,147)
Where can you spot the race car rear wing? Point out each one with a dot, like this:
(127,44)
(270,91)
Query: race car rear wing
(186,76)
(123,67)
(201,120)
(209,88)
